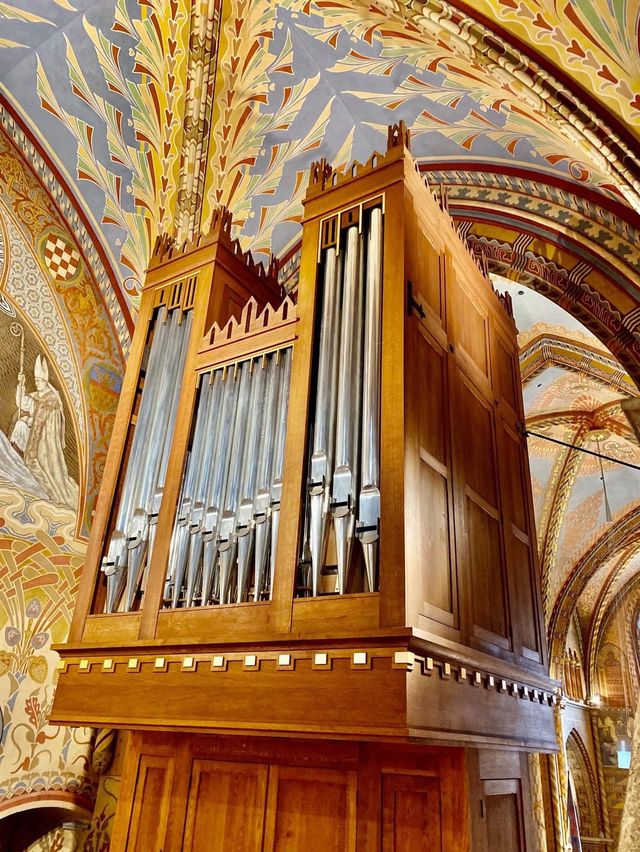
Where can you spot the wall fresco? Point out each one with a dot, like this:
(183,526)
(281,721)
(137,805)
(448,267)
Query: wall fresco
(60,374)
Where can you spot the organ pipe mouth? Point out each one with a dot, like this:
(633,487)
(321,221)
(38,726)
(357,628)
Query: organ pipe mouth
(342,500)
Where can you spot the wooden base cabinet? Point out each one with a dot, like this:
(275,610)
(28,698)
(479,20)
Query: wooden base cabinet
(203,793)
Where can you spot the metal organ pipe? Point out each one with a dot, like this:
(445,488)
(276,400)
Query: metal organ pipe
(262,502)
(322,456)
(244,511)
(278,457)
(348,409)
(131,542)
(226,540)
(345,433)
(368,527)
(220,441)
(231,485)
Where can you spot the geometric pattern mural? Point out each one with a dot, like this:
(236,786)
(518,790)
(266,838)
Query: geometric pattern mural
(62,260)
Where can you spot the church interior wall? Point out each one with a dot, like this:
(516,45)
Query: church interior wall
(61,365)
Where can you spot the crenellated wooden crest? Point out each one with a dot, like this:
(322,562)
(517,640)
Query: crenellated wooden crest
(166,247)
(255,331)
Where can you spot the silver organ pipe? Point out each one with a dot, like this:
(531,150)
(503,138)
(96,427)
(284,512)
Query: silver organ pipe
(343,493)
(348,409)
(131,541)
(278,457)
(223,536)
(262,502)
(368,528)
(227,542)
(322,455)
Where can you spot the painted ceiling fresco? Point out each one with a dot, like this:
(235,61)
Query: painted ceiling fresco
(572,392)
(596,43)
(107,89)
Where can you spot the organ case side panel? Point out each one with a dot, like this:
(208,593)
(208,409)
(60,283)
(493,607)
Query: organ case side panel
(519,525)
(431,562)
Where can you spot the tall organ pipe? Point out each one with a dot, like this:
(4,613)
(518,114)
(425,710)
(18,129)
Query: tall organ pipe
(226,540)
(132,539)
(244,514)
(368,528)
(262,503)
(278,457)
(201,457)
(186,502)
(114,563)
(344,466)
(217,483)
(322,456)
(348,407)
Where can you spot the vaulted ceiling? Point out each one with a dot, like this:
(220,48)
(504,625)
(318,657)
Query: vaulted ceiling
(587,508)
(154,111)
(143,115)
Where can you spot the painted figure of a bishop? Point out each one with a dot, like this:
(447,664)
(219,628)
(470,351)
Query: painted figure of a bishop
(40,434)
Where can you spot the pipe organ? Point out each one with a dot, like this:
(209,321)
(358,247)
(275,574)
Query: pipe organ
(311,594)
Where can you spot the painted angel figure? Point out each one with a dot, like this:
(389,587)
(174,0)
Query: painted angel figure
(39,434)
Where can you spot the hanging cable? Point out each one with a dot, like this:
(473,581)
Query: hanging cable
(528,433)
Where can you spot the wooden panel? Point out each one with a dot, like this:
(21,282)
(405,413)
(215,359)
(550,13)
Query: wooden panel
(504,819)
(411,814)
(437,585)
(151,804)
(478,515)
(435,545)
(225,809)
(485,559)
(505,371)
(501,809)
(518,543)
(424,267)
(469,323)
(514,480)
(474,424)
(525,616)
(310,809)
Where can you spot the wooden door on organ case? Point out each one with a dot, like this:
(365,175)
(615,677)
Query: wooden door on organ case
(411,814)
(231,806)
(248,807)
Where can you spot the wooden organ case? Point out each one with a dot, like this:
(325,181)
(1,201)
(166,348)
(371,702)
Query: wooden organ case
(311,592)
